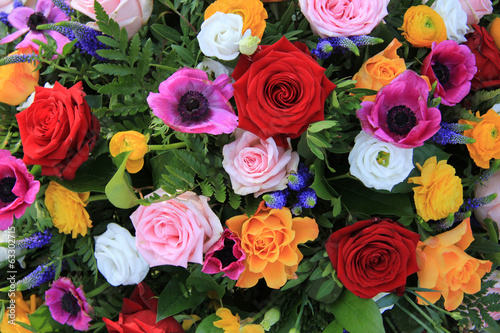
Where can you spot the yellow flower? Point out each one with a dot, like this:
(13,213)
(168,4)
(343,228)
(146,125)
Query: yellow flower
(18,80)
(231,324)
(494,30)
(445,267)
(486,134)
(130,141)
(67,209)
(252,11)
(440,193)
(422,25)
(19,313)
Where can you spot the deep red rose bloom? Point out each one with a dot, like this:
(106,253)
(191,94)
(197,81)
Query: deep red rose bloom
(58,130)
(373,256)
(139,315)
(487,56)
(280,90)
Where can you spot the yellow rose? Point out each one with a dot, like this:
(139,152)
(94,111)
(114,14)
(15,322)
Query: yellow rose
(231,323)
(486,134)
(380,70)
(445,267)
(422,25)
(494,30)
(20,312)
(440,192)
(130,141)
(18,80)
(67,209)
(269,239)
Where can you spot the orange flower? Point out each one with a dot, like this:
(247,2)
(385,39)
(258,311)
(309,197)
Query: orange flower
(445,267)
(422,25)
(20,312)
(486,133)
(380,70)
(130,141)
(18,80)
(252,11)
(231,323)
(270,238)
(494,30)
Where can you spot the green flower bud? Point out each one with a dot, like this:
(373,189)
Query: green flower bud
(249,44)
(270,318)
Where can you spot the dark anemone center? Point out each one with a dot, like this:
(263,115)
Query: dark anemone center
(6,186)
(193,107)
(35,20)
(225,255)
(69,303)
(401,119)
(442,72)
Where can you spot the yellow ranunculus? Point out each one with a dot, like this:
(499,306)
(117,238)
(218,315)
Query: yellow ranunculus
(440,192)
(19,313)
(231,323)
(67,209)
(487,136)
(494,30)
(422,25)
(445,267)
(130,141)
(18,80)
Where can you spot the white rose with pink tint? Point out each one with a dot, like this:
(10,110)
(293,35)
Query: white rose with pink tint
(257,166)
(476,9)
(6,6)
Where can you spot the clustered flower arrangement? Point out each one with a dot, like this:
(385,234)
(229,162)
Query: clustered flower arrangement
(249,166)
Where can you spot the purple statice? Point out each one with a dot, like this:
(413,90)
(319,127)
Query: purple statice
(471,204)
(327,46)
(3,18)
(449,133)
(296,209)
(63,5)
(300,179)
(487,173)
(42,274)
(276,200)
(37,240)
(307,198)
(17,58)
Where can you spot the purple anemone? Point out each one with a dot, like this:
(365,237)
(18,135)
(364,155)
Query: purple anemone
(25,20)
(189,102)
(225,256)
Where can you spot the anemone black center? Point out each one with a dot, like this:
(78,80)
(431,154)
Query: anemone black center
(442,72)
(401,119)
(6,186)
(193,107)
(225,255)
(69,303)
(35,20)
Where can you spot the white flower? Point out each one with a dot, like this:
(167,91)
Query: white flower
(455,18)
(220,34)
(379,164)
(379,296)
(9,250)
(117,257)
(31,98)
(249,44)
(214,68)
(496,108)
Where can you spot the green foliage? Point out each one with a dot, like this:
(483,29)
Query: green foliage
(86,251)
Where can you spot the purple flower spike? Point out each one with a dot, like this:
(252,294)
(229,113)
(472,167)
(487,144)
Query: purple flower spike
(225,256)
(189,102)
(25,20)
(453,66)
(18,188)
(68,305)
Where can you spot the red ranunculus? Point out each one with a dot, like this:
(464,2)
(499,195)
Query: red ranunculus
(139,315)
(487,56)
(58,130)
(280,90)
(373,256)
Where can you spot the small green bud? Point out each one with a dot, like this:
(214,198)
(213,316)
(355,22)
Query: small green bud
(249,44)
(270,318)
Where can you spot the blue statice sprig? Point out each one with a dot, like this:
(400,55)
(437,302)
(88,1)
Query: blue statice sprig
(327,46)
(18,58)
(62,5)
(450,133)
(37,240)
(486,174)
(4,17)
(276,200)
(471,204)
(41,274)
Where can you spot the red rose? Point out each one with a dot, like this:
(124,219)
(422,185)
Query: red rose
(487,56)
(280,90)
(58,130)
(373,256)
(139,315)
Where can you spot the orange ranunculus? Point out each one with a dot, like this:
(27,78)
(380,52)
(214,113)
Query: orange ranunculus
(380,70)
(494,30)
(422,25)
(252,11)
(18,312)
(18,80)
(130,141)
(269,239)
(445,267)
(487,136)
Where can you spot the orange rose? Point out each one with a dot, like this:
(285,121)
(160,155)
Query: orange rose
(269,239)
(486,133)
(380,70)
(494,30)
(422,25)
(18,80)
(446,268)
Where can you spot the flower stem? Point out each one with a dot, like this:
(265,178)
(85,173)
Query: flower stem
(168,147)
(345,175)
(97,290)
(97,197)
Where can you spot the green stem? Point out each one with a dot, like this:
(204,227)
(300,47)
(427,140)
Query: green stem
(6,140)
(168,147)
(97,290)
(97,197)
(441,329)
(490,229)
(345,175)
(70,254)
(64,69)
(168,68)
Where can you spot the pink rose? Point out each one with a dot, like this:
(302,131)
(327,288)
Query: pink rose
(176,231)
(491,210)
(335,18)
(475,9)
(129,14)
(257,166)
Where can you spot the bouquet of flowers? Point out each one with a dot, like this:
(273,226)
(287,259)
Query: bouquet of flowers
(249,166)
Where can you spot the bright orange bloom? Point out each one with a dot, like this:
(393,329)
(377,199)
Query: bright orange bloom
(18,80)
(422,25)
(231,323)
(130,141)
(20,313)
(494,30)
(269,239)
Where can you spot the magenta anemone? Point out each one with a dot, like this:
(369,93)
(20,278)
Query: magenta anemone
(189,102)
(226,256)
(452,66)
(400,114)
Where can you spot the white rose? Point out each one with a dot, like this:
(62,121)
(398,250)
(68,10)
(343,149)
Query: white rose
(6,6)
(117,257)
(455,18)
(220,35)
(7,236)
(496,108)
(31,98)
(379,164)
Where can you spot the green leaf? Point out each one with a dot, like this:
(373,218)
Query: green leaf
(111,54)
(334,327)
(114,69)
(118,190)
(167,32)
(207,325)
(321,125)
(320,185)
(484,245)
(185,55)
(176,298)
(41,320)
(357,315)
(204,283)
